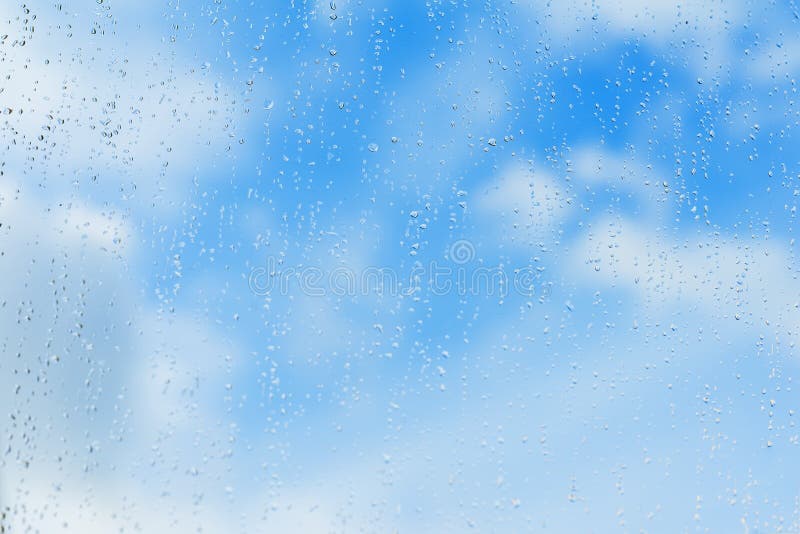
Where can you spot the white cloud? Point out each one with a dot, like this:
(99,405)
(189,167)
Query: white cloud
(770,64)
(104,397)
(696,31)
(661,20)
(593,164)
(730,278)
(120,120)
(624,174)
(524,205)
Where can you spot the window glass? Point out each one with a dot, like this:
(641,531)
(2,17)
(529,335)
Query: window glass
(395,266)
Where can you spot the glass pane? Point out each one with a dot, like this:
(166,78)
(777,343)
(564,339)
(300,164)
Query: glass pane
(393,266)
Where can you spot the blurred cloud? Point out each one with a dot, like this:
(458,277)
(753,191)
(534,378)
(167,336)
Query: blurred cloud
(103,375)
(524,205)
(727,277)
(132,123)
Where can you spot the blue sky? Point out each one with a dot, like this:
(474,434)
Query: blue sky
(638,162)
